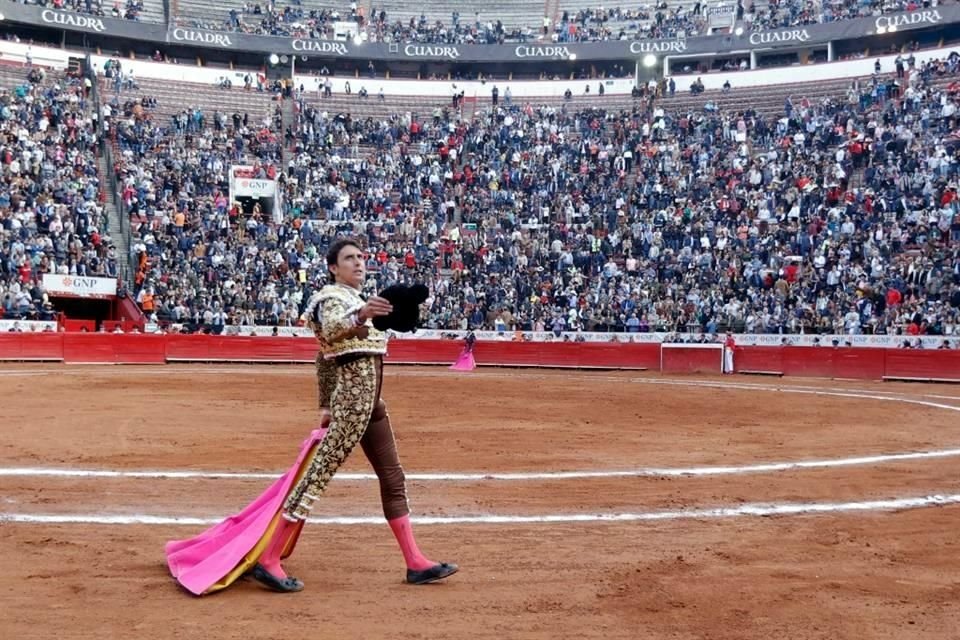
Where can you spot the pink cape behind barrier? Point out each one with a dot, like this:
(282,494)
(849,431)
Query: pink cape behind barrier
(465,362)
(199,563)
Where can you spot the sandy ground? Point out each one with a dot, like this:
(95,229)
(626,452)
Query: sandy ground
(856,575)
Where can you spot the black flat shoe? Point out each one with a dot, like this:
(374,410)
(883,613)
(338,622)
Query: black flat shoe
(432,574)
(267,579)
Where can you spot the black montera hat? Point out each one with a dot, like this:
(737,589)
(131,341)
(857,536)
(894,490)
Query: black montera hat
(406,302)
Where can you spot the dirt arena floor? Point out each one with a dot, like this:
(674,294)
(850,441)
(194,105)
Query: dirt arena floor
(627,506)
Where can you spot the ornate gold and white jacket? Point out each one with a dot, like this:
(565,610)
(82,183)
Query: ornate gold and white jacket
(337,306)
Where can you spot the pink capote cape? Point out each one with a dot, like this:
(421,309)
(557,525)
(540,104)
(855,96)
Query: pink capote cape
(465,362)
(214,556)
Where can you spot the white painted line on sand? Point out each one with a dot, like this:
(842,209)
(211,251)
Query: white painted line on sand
(528,374)
(655,472)
(746,510)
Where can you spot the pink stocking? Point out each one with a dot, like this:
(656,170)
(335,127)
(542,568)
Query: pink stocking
(411,553)
(271,556)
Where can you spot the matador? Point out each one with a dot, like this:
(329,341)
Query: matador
(349,378)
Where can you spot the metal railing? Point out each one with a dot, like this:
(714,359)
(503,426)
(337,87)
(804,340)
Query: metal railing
(112,186)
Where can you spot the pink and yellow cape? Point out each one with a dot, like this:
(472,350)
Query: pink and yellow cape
(216,558)
(465,362)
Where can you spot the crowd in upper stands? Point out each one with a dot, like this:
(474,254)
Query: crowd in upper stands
(127,10)
(838,215)
(658,20)
(173,178)
(841,216)
(51,218)
(799,12)
(289,20)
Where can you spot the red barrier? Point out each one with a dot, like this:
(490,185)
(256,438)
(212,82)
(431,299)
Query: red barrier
(621,356)
(758,360)
(815,362)
(864,363)
(590,355)
(204,348)
(31,346)
(114,348)
(916,364)
(423,351)
(825,362)
(79,325)
(691,358)
(522,354)
(82,348)
(530,354)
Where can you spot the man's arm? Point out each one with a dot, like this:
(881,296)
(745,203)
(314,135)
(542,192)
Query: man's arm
(340,318)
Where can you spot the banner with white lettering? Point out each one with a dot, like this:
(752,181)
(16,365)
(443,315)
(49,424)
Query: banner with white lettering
(254,188)
(741,339)
(27,326)
(79,286)
(262,330)
(807,35)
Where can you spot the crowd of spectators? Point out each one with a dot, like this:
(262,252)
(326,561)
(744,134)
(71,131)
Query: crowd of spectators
(292,20)
(660,19)
(51,219)
(460,30)
(191,247)
(120,9)
(789,13)
(838,216)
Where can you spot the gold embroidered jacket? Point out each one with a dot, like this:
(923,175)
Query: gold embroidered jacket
(336,314)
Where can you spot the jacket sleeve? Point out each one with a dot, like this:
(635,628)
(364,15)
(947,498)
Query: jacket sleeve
(338,318)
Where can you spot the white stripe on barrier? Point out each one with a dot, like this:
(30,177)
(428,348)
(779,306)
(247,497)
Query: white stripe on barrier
(755,510)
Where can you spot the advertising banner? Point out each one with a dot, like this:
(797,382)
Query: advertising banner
(791,37)
(79,286)
(27,326)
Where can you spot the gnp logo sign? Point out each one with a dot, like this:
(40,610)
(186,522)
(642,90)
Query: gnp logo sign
(252,188)
(79,286)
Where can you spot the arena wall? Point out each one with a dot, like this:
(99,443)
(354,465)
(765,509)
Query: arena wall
(58,58)
(823,362)
(861,67)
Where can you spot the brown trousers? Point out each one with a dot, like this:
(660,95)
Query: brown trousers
(359,415)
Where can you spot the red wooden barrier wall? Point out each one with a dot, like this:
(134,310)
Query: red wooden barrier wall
(34,346)
(676,358)
(923,365)
(826,362)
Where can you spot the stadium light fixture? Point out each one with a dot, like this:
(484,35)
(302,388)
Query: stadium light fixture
(881,30)
(649,60)
(738,31)
(573,57)
(274,59)
(357,40)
